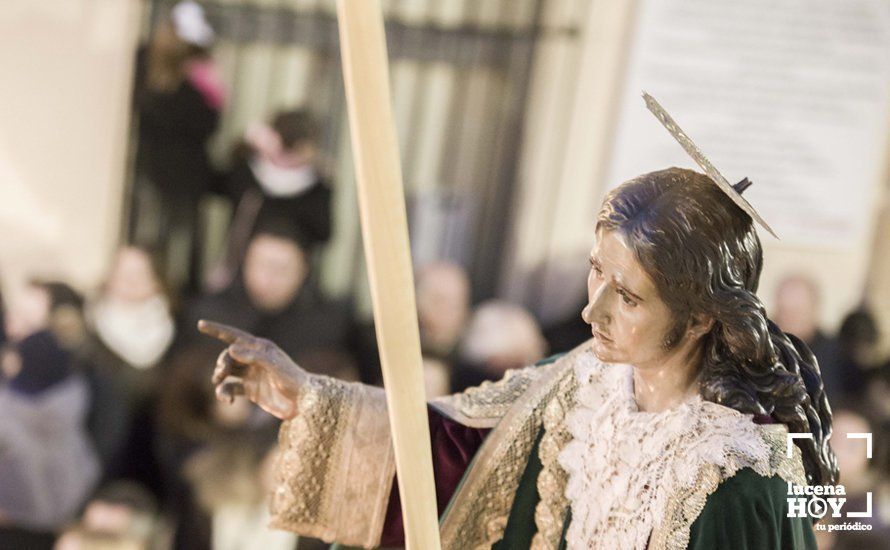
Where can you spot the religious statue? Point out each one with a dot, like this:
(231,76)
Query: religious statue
(668,429)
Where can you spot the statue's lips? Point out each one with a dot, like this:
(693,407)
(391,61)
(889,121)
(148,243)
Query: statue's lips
(600,336)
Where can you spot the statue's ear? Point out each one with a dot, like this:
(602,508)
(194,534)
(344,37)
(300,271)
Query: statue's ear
(700,324)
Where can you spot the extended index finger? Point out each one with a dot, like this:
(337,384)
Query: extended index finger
(220,331)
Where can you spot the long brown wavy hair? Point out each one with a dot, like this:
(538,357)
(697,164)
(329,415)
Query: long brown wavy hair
(704,256)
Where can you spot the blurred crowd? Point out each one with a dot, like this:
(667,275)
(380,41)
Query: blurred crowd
(110,434)
(857,381)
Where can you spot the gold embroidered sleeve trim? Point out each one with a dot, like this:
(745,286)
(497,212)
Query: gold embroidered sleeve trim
(337,450)
(550,512)
(484,405)
(686,504)
(479,510)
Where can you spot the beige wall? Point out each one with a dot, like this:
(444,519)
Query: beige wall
(64,111)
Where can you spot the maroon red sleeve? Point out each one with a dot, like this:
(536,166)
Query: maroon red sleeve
(454,447)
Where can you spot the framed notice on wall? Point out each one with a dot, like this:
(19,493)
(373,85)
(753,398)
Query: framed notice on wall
(792,95)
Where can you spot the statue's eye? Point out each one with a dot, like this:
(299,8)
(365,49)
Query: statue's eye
(625,297)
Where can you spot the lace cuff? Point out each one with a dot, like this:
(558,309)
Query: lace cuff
(336,465)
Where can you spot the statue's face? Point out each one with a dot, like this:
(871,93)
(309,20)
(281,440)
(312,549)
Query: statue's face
(628,319)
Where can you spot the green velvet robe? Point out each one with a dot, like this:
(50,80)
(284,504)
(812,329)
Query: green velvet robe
(746,512)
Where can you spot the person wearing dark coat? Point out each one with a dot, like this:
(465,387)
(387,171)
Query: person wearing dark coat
(275,180)
(271,298)
(309,210)
(177,101)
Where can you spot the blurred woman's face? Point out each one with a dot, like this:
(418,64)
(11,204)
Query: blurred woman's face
(851,458)
(443,296)
(274,271)
(132,279)
(628,319)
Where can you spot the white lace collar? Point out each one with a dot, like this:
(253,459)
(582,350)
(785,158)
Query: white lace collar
(623,464)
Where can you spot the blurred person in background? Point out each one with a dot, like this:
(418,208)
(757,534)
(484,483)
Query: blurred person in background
(109,416)
(859,477)
(196,432)
(132,330)
(878,396)
(66,317)
(177,99)
(858,359)
(797,312)
(443,307)
(501,336)
(271,298)
(133,321)
(48,466)
(190,418)
(233,482)
(187,413)
(120,516)
(65,320)
(275,178)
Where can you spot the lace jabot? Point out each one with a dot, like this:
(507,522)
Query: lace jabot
(625,466)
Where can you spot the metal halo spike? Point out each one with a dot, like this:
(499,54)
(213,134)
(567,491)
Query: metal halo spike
(693,151)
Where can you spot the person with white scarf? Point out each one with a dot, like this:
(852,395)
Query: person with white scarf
(133,328)
(132,317)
